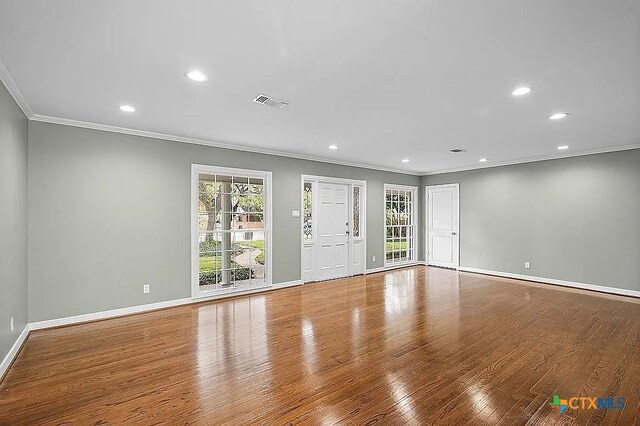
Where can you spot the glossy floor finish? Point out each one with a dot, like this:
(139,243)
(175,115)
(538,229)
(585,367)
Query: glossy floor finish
(413,346)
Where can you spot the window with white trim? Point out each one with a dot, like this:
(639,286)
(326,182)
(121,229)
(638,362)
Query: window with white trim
(231,230)
(400,224)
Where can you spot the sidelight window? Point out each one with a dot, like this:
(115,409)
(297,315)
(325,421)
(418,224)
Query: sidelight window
(307,219)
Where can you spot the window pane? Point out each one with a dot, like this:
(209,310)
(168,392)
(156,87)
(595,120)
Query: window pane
(207,242)
(209,261)
(240,183)
(258,274)
(225,278)
(207,205)
(248,222)
(231,222)
(256,186)
(247,202)
(223,184)
(356,211)
(208,186)
(307,215)
(208,221)
(400,229)
(209,279)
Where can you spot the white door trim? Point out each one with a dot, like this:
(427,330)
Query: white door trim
(426,218)
(329,179)
(363,219)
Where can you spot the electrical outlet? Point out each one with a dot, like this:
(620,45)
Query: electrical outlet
(373,259)
(526,265)
(145,288)
(12,325)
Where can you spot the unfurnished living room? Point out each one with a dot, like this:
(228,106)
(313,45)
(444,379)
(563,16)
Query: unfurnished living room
(408,212)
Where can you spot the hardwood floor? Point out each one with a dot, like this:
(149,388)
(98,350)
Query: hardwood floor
(413,346)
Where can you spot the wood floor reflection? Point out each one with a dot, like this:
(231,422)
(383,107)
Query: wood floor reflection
(413,346)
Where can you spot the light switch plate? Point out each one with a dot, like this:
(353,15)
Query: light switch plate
(295,213)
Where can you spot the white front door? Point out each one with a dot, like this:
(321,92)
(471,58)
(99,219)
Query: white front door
(443,227)
(333,230)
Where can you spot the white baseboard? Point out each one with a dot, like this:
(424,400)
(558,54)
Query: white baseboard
(592,287)
(112,313)
(250,291)
(390,268)
(76,319)
(286,284)
(6,362)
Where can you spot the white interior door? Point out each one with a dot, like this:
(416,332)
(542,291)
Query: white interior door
(443,226)
(333,230)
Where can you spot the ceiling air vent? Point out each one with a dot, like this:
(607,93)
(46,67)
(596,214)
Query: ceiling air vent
(269,101)
(458,150)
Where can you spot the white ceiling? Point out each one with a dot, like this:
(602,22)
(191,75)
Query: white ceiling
(382,79)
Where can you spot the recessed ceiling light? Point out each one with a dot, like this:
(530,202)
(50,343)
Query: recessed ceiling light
(196,75)
(563,147)
(127,108)
(333,147)
(521,91)
(558,115)
(405,160)
(483,160)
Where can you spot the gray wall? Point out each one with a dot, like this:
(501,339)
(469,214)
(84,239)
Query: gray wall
(13,220)
(111,212)
(575,219)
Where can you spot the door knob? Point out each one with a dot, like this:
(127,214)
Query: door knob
(454,233)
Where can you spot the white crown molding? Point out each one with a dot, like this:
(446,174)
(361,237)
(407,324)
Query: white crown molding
(14,90)
(13,352)
(553,281)
(533,160)
(18,96)
(196,141)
